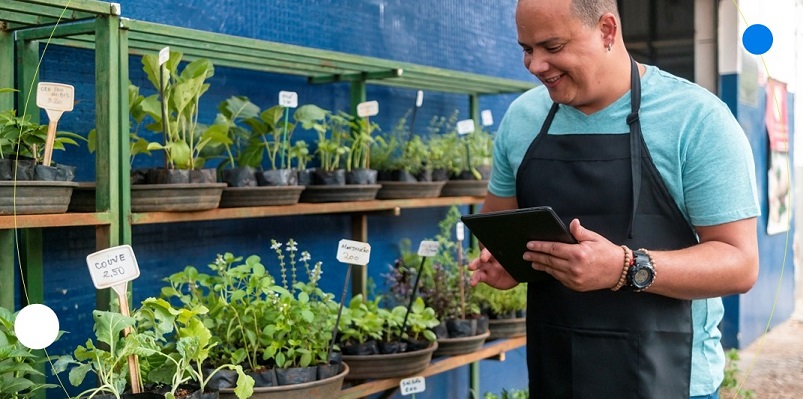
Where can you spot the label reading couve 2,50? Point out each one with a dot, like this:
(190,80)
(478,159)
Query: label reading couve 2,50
(112,266)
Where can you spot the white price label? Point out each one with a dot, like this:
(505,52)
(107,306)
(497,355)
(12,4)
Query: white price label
(412,385)
(419,99)
(465,126)
(353,252)
(164,55)
(428,248)
(368,108)
(460,231)
(288,99)
(112,266)
(487,117)
(55,96)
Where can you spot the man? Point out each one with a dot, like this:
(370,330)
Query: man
(657,180)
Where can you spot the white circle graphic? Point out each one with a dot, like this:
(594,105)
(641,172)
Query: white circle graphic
(36,326)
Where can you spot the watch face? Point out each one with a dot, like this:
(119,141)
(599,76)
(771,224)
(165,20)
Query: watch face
(642,277)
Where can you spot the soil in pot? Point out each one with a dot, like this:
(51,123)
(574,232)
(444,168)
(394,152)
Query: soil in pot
(440,174)
(22,167)
(139,176)
(223,378)
(296,375)
(176,176)
(54,173)
(328,370)
(239,177)
(459,328)
(265,377)
(414,345)
(424,175)
(277,177)
(361,176)
(440,330)
(305,177)
(361,349)
(387,348)
(329,177)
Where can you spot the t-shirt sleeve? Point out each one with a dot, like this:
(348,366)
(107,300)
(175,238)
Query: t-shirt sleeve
(503,177)
(719,181)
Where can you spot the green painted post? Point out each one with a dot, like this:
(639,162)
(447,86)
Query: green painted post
(474,380)
(112,135)
(125,150)
(7,254)
(7,251)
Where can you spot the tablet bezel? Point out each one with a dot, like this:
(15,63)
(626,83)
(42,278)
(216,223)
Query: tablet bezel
(506,233)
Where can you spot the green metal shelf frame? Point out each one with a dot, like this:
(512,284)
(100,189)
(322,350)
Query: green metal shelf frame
(24,26)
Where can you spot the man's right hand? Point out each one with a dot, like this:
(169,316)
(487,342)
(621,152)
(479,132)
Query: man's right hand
(488,270)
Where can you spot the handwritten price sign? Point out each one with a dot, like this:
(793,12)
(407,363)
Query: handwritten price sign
(288,99)
(409,386)
(353,252)
(112,266)
(428,248)
(55,96)
(465,126)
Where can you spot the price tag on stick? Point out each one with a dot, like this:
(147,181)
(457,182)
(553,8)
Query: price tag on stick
(425,249)
(465,126)
(288,99)
(351,253)
(368,108)
(55,99)
(114,268)
(428,248)
(487,117)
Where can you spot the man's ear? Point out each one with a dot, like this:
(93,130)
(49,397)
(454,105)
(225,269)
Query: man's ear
(608,27)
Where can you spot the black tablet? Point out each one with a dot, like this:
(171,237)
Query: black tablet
(506,233)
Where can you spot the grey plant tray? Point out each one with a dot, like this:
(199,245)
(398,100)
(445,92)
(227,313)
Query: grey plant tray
(389,366)
(34,197)
(459,188)
(402,189)
(344,193)
(507,328)
(326,388)
(238,197)
(184,197)
(461,346)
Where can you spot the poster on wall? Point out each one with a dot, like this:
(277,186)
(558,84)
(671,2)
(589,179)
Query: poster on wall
(779,193)
(779,184)
(776,117)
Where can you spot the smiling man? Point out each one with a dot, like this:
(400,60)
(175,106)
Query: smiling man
(656,180)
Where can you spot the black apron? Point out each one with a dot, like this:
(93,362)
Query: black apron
(604,344)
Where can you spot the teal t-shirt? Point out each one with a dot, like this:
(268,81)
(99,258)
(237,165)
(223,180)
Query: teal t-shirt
(700,151)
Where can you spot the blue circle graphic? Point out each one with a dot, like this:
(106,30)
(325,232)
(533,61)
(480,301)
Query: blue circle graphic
(757,39)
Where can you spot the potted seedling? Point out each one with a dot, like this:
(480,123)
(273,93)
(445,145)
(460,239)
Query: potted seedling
(358,169)
(243,151)
(463,328)
(273,326)
(172,344)
(505,309)
(23,176)
(376,344)
(184,138)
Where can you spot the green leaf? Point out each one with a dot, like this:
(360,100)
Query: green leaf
(109,325)
(245,384)
(238,107)
(307,315)
(77,374)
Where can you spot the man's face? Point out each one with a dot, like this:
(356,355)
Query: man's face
(563,53)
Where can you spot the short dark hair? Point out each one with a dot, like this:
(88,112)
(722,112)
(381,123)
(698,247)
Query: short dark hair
(589,11)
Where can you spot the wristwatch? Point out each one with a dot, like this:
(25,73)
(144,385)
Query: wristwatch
(641,273)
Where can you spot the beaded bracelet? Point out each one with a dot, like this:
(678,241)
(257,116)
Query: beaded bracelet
(627,263)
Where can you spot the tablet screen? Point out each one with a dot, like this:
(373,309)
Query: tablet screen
(505,234)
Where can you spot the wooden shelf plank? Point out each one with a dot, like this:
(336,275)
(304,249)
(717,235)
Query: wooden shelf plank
(301,209)
(495,348)
(54,220)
